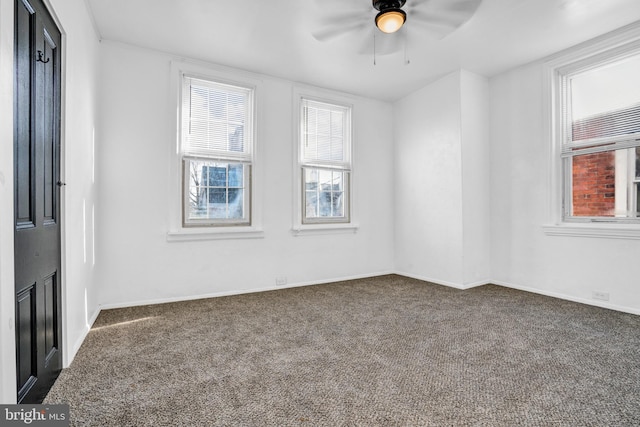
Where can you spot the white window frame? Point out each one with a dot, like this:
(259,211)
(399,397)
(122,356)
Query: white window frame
(179,230)
(329,225)
(556,69)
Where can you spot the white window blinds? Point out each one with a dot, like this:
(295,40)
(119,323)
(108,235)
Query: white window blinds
(325,134)
(216,119)
(603,108)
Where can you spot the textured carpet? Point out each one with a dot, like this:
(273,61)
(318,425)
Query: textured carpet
(387,351)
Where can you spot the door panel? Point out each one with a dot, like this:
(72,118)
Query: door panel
(26,355)
(23,143)
(49,160)
(37,200)
(50,317)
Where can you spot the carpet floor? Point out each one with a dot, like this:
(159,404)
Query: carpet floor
(385,351)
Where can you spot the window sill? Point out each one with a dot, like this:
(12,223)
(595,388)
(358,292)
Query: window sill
(320,229)
(604,231)
(196,234)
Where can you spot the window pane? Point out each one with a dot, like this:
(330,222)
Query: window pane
(324,179)
(199,106)
(324,193)
(336,204)
(236,203)
(324,130)
(603,184)
(216,190)
(324,147)
(236,137)
(337,123)
(311,204)
(215,117)
(325,204)
(323,121)
(198,197)
(217,175)
(605,101)
(217,196)
(594,184)
(235,175)
(237,108)
(217,104)
(311,179)
(637,162)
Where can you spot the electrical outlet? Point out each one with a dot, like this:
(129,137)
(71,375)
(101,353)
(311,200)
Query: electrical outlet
(602,296)
(281,281)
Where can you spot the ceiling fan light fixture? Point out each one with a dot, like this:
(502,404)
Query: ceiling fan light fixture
(390,20)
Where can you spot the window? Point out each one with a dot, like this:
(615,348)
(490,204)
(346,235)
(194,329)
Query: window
(217,153)
(324,162)
(600,142)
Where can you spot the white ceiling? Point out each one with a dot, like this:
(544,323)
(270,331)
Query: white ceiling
(274,37)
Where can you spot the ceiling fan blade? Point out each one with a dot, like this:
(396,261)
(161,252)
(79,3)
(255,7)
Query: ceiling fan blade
(421,16)
(433,31)
(335,31)
(343,5)
(439,19)
(335,25)
(414,3)
(454,12)
(340,19)
(468,5)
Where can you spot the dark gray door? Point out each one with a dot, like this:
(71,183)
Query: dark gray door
(37,200)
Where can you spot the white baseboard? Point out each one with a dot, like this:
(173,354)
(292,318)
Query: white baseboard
(444,282)
(601,304)
(71,354)
(238,292)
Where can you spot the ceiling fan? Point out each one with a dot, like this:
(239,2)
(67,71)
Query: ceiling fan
(389,22)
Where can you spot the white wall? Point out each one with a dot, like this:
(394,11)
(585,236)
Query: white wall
(522,255)
(81,51)
(476,190)
(79,105)
(442,192)
(137,264)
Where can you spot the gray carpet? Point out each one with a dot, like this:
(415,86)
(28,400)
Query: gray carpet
(386,351)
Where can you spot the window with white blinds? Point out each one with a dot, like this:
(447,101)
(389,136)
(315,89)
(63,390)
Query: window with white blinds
(325,161)
(217,152)
(600,104)
(217,119)
(324,133)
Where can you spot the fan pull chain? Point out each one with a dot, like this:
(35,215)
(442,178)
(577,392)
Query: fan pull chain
(374,48)
(406,55)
